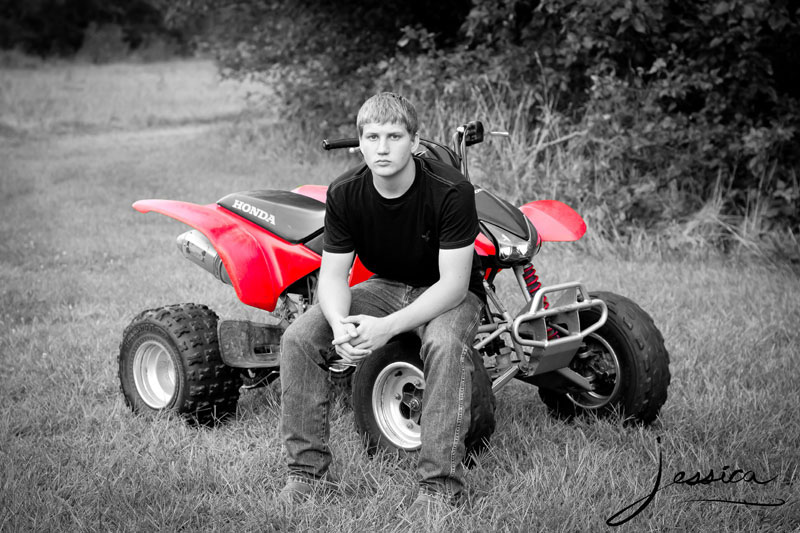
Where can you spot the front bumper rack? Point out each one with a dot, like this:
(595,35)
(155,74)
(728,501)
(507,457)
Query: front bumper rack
(557,307)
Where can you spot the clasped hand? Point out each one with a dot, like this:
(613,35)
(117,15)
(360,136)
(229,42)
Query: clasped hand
(359,336)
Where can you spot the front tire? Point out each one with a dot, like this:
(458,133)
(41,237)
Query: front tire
(625,359)
(169,360)
(387,400)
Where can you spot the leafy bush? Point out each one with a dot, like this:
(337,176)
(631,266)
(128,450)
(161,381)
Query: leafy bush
(103,44)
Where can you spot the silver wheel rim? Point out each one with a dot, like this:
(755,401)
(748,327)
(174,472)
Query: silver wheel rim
(591,399)
(154,374)
(397,404)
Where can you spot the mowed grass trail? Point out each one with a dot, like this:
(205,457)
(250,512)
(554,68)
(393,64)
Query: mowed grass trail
(77,263)
(69,97)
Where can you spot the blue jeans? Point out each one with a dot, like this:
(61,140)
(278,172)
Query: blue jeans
(446,345)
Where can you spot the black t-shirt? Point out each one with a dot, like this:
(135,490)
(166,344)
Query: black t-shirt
(400,238)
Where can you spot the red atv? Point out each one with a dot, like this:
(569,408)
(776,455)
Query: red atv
(586,352)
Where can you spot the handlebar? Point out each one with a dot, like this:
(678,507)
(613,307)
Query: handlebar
(339,143)
(465,135)
(474,131)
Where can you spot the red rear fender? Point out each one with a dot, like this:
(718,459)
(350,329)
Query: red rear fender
(317,192)
(358,272)
(259,264)
(554,221)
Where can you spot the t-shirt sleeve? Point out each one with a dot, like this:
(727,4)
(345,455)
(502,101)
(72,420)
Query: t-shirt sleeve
(337,237)
(459,226)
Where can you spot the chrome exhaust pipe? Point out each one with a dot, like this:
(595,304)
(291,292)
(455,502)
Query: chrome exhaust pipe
(198,249)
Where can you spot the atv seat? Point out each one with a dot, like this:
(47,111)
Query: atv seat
(292,217)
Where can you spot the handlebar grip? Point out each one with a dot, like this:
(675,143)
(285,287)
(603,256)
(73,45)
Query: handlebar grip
(339,143)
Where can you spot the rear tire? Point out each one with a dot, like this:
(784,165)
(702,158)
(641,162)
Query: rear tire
(387,400)
(627,361)
(169,360)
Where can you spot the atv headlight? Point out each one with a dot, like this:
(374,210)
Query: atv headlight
(510,248)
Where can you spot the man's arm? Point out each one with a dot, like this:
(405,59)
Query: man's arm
(334,300)
(454,271)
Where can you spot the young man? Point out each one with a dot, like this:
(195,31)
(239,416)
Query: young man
(412,222)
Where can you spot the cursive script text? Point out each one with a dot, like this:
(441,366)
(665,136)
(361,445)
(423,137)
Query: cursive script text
(725,476)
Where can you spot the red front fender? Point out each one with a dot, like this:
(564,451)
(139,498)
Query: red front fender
(259,264)
(554,221)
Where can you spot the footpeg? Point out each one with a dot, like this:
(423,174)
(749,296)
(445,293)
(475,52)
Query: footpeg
(246,344)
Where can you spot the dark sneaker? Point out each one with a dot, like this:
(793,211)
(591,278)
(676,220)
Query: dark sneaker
(299,489)
(296,491)
(425,508)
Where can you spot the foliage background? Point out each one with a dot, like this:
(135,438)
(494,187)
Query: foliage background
(664,117)
(671,121)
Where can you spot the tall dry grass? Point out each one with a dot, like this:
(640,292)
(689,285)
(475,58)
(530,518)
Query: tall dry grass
(77,263)
(559,158)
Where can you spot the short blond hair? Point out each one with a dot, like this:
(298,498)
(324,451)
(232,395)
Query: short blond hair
(384,108)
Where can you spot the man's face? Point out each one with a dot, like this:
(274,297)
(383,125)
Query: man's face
(387,148)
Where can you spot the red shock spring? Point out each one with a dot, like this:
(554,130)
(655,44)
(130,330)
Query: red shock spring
(533,285)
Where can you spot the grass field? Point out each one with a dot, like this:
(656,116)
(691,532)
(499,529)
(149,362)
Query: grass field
(76,97)
(77,263)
